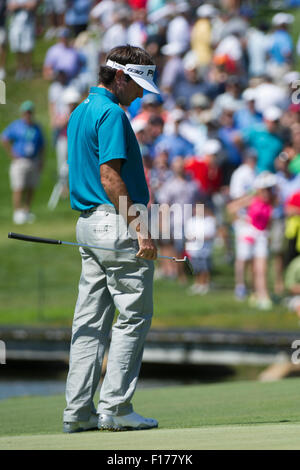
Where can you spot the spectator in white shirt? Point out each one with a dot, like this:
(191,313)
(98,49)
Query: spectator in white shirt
(241,183)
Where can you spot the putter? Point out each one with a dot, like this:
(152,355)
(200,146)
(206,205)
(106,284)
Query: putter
(52,241)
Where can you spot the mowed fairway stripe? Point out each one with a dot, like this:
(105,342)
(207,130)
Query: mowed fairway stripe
(265,436)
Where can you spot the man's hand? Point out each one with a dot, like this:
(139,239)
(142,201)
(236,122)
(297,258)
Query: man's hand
(147,247)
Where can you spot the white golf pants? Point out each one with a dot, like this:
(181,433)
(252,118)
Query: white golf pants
(109,281)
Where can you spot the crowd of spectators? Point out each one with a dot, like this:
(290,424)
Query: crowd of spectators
(225,130)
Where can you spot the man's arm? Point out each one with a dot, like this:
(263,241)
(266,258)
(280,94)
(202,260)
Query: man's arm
(114,186)
(8,147)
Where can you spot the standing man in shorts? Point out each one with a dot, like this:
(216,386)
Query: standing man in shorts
(23,139)
(22,34)
(2,38)
(105,164)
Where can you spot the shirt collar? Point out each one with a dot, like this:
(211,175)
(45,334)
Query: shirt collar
(104,92)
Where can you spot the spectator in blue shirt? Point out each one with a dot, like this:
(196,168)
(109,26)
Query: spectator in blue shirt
(281,46)
(77,15)
(24,143)
(247,116)
(174,143)
(265,139)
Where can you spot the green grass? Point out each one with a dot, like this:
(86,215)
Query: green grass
(232,415)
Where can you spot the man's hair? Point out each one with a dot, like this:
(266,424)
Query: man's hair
(123,55)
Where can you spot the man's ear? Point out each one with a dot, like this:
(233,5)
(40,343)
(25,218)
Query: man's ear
(119,75)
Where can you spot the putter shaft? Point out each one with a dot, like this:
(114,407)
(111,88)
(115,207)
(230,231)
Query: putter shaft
(52,241)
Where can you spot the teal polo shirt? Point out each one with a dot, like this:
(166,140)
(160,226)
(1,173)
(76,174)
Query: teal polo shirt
(99,131)
(267,146)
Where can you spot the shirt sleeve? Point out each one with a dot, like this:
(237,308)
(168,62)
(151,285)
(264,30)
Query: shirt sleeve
(9,133)
(112,132)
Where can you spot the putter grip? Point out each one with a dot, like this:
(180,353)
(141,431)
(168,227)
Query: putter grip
(29,238)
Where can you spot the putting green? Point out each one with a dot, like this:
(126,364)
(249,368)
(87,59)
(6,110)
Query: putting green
(265,436)
(234,415)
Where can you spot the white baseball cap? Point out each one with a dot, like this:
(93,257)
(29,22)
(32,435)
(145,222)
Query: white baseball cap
(173,48)
(273,113)
(71,96)
(206,11)
(249,94)
(291,77)
(143,75)
(282,18)
(138,125)
(264,180)
(211,147)
(177,115)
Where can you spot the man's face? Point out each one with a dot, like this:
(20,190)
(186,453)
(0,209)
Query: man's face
(128,91)
(272,126)
(28,116)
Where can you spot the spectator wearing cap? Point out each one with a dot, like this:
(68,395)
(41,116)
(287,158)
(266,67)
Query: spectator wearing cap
(268,94)
(63,57)
(200,232)
(22,34)
(231,47)
(24,142)
(154,130)
(264,139)
(177,190)
(192,82)
(172,71)
(149,105)
(137,33)
(201,35)
(247,116)
(56,105)
(257,48)
(178,29)
(173,141)
(77,15)
(227,134)
(70,99)
(116,34)
(281,46)
(55,12)
(253,235)
(204,169)
(194,128)
(230,99)
(160,173)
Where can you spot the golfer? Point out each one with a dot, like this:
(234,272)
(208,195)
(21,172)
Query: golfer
(104,164)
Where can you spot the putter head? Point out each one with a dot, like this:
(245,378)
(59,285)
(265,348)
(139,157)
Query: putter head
(189,265)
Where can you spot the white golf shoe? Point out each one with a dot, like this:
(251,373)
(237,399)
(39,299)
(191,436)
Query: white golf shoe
(80,426)
(133,421)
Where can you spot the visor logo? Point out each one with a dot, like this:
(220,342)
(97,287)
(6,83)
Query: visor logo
(150,72)
(138,72)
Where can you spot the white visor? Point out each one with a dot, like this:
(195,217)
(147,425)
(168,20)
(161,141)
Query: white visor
(143,75)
